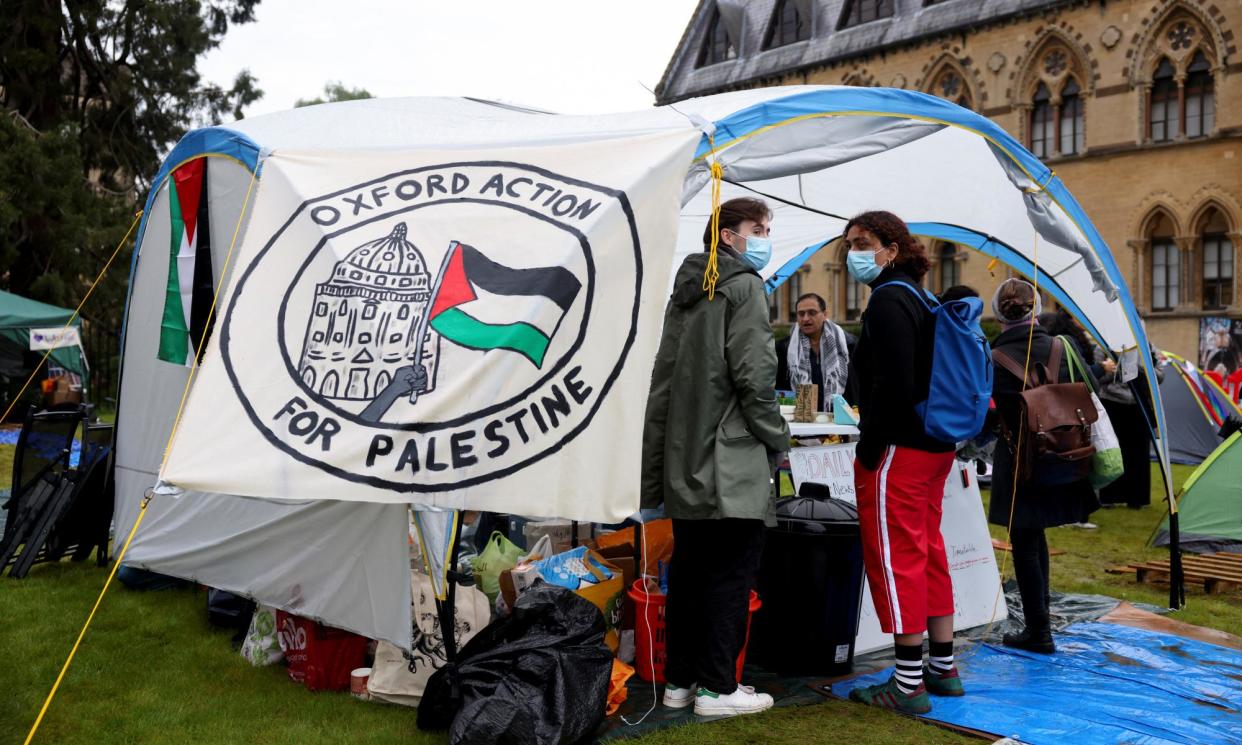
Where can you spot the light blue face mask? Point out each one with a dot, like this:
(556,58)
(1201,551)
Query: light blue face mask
(862,266)
(758,251)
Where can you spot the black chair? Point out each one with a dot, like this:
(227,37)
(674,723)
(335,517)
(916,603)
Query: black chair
(76,517)
(46,488)
(45,443)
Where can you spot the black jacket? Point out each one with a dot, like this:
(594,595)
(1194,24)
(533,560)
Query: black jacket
(1036,506)
(892,367)
(782,367)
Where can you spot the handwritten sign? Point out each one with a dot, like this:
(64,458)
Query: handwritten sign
(825,464)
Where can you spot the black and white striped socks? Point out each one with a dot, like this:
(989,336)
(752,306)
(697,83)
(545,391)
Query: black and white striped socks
(909,674)
(940,657)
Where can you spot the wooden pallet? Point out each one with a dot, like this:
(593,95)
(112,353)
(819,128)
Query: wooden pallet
(1218,572)
(1003,546)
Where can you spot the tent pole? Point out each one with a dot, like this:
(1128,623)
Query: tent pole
(1177,579)
(446,610)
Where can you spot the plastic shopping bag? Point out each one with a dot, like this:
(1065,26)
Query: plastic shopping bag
(570,569)
(261,647)
(498,555)
(1106,465)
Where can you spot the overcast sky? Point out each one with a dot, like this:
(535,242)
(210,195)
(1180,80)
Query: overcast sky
(571,56)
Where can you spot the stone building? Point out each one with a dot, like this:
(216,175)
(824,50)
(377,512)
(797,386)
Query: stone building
(1136,104)
(364,319)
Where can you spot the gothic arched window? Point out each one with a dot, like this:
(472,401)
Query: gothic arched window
(950,270)
(1200,97)
(1217,261)
(1165,265)
(1162,113)
(1073,140)
(1042,123)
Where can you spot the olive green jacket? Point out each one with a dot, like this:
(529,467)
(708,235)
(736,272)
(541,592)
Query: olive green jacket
(713,426)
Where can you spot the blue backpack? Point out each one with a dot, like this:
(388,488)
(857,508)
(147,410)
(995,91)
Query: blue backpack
(961,371)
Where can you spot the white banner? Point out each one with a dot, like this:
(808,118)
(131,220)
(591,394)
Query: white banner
(54,338)
(472,330)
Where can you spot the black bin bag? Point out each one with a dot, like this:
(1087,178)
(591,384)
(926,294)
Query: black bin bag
(539,675)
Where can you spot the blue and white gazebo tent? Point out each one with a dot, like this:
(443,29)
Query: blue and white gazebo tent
(817,154)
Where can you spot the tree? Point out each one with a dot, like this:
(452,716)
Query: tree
(93,93)
(335,91)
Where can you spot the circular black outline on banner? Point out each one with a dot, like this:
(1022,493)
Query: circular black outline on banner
(605,387)
(448,424)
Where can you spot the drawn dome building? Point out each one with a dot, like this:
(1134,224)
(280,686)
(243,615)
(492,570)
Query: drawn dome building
(364,319)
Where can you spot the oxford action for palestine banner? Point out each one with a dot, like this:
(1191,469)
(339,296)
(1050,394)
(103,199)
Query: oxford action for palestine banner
(457,329)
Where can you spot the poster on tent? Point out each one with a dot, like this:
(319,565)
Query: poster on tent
(972,562)
(1220,345)
(455,329)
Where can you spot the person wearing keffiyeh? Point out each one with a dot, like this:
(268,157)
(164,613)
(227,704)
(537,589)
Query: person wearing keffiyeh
(816,351)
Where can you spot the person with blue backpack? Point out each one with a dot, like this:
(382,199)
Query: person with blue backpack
(925,378)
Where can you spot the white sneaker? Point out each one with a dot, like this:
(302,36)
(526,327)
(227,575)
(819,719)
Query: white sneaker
(676,697)
(1085,526)
(742,701)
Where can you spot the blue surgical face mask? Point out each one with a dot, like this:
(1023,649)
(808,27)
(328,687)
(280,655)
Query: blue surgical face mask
(758,251)
(862,266)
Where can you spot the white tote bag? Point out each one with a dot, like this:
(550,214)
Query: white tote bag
(401,678)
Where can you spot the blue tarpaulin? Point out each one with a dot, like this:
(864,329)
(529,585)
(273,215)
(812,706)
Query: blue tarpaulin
(1106,685)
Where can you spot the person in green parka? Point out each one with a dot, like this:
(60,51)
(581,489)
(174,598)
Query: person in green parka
(712,438)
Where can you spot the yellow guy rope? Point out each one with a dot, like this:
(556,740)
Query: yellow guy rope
(147,499)
(76,311)
(712,272)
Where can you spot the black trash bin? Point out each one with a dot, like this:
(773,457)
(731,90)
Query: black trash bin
(810,580)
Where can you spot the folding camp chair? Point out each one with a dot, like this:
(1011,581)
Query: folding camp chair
(40,482)
(85,526)
(76,516)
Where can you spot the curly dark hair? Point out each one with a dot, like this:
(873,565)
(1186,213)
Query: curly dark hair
(890,229)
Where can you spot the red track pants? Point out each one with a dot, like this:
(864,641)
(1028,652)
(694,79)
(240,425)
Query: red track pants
(899,509)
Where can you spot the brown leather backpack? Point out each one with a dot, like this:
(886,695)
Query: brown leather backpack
(1054,447)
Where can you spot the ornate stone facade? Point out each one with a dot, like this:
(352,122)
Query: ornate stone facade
(1136,104)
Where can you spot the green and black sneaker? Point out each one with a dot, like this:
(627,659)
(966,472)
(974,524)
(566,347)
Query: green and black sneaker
(943,684)
(887,695)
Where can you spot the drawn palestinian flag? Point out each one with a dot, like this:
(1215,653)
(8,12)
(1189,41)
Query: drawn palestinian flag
(187,302)
(484,305)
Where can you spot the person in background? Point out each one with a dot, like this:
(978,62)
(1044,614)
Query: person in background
(1023,507)
(958,292)
(712,437)
(817,351)
(1061,323)
(899,471)
(1130,422)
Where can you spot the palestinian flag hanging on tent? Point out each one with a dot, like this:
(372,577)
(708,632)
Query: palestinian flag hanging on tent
(187,302)
(480,304)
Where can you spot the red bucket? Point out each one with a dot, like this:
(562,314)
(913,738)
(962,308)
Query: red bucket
(650,637)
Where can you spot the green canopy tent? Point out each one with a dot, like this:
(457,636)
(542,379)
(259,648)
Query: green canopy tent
(28,328)
(1210,504)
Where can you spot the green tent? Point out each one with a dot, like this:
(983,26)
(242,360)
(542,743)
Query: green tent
(1210,505)
(20,318)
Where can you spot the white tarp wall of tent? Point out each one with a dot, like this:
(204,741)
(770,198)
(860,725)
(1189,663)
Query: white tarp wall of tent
(819,154)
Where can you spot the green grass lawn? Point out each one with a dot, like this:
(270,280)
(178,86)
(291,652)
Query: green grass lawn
(152,671)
